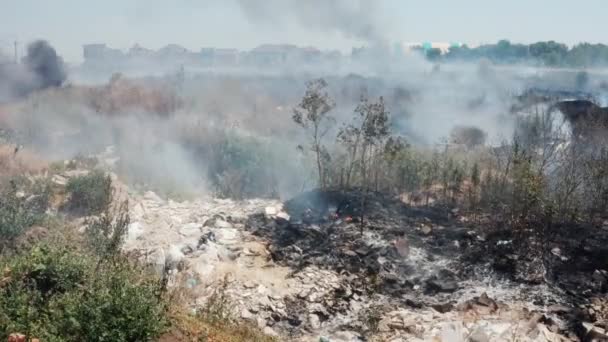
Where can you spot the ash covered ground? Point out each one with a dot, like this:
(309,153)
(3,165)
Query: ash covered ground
(307,269)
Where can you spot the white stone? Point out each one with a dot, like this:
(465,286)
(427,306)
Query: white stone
(59,180)
(219,223)
(268,331)
(153,197)
(260,321)
(76,173)
(270,211)
(245,314)
(345,336)
(174,256)
(314,321)
(452,332)
(426,230)
(227,236)
(283,215)
(190,229)
(134,231)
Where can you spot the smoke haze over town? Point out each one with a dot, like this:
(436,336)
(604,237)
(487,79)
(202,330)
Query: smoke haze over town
(69,24)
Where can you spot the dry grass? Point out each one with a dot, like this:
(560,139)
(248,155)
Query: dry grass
(118,96)
(205,325)
(122,95)
(17,161)
(187,327)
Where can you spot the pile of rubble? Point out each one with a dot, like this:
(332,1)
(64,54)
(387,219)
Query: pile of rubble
(308,270)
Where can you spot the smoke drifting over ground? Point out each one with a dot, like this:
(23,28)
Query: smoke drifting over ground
(231,130)
(41,68)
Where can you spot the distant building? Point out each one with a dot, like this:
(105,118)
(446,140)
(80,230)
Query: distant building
(226,57)
(93,51)
(172,51)
(100,52)
(269,54)
(206,56)
(306,55)
(173,54)
(137,51)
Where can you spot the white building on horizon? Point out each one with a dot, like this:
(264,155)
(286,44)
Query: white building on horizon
(444,47)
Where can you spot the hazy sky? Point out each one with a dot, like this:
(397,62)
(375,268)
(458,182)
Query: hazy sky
(68,24)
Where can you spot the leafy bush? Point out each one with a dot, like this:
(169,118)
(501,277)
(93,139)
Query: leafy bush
(18,212)
(82,161)
(243,167)
(106,233)
(61,294)
(90,194)
(39,196)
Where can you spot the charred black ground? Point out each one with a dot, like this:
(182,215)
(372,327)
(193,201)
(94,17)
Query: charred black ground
(325,229)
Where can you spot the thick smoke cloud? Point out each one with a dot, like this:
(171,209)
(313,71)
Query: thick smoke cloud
(41,68)
(42,60)
(352,18)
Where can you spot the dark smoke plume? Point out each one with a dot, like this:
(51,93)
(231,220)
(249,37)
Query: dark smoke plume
(41,68)
(43,61)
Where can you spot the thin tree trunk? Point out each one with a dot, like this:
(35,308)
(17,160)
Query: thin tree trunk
(317,148)
(365,186)
(353,159)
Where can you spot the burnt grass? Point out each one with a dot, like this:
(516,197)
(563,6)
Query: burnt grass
(325,229)
(352,232)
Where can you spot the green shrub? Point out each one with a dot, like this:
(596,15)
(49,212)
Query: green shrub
(243,167)
(17,213)
(39,196)
(84,162)
(90,194)
(60,294)
(106,233)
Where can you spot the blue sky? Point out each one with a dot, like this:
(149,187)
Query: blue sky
(68,24)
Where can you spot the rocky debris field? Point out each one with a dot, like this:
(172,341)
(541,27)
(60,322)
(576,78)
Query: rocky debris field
(354,266)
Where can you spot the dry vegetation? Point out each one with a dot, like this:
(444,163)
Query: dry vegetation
(543,173)
(122,95)
(15,161)
(215,322)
